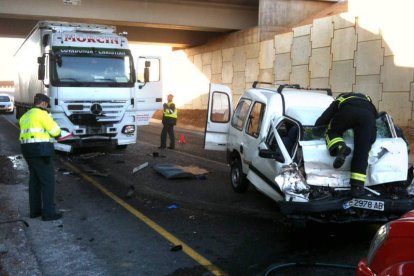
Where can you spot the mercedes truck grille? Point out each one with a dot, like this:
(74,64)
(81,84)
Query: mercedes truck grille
(95,112)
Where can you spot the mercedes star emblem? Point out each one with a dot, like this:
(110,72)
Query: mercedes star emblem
(96,109)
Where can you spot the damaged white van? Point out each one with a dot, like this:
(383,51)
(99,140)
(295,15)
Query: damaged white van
(272,143)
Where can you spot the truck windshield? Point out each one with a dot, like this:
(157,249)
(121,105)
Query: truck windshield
(92,67)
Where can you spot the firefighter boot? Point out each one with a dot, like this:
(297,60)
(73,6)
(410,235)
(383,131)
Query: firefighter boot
(343,152)
(357,190)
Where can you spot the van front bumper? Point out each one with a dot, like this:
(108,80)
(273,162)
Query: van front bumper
(338,210)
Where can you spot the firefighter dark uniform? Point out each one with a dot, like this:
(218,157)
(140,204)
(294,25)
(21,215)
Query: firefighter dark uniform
(169,120)
(36,131)
(351,111)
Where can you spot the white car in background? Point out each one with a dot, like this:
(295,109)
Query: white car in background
(272,144)
(6,104)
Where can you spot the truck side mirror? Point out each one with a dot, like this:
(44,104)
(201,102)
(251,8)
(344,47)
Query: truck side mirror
(271,154)
(41,68)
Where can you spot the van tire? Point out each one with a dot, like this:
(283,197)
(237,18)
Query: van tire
(238,179)
(121,147)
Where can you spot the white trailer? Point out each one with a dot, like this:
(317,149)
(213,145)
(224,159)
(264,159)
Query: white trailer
(88,72)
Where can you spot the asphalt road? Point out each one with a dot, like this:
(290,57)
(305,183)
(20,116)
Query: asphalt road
(117,222)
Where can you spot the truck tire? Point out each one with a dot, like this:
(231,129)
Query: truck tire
(18,112)
(238,179)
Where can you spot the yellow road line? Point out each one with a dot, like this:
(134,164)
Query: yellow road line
(160,230)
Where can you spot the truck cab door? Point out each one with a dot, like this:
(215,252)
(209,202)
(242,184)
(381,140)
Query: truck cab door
(218,117)
(148,88)
(277,150)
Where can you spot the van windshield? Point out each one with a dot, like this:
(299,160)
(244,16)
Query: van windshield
(92,67)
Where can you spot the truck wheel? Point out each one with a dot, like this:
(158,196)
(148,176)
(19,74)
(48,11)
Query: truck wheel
(18,112)
(237,177)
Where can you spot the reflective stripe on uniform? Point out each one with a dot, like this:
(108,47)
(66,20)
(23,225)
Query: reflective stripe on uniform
(35,140)
(343,99)
(31,130)
(334,141)
(55,131)
(358,176)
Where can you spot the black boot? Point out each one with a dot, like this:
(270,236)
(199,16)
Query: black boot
(55,216)
(343,152)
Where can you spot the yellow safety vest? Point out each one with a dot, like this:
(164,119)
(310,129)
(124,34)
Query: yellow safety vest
(169,113)
(37,126)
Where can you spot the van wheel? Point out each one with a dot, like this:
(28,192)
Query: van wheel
(237,177)
(121,147)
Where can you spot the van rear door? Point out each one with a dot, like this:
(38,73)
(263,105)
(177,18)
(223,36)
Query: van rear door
(219,110)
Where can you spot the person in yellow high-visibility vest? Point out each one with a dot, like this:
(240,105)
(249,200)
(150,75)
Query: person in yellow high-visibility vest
(169,120)
(37,130)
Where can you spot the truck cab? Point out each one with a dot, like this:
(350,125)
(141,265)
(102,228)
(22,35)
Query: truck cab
(272,144)
(89,73)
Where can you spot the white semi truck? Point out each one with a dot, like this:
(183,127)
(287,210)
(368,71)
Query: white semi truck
(88,72)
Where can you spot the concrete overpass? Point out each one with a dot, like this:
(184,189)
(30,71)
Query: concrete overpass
(180,23)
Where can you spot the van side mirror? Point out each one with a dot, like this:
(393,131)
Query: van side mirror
(271,154)
(41,68)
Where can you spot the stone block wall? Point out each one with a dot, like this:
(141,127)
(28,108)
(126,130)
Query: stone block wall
(332,52)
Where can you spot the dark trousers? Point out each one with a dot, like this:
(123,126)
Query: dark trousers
(167,128)
(41,185)
(362,121)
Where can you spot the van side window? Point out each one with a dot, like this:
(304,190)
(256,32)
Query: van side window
(220,107)
(255,119)
(240,114)
(289,132)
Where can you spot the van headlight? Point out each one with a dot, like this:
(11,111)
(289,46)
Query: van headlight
(128,129)
(380,237)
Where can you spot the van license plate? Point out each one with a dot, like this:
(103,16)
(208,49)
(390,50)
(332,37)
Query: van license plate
(367,204)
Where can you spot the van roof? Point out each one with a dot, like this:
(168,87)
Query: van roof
(304,105)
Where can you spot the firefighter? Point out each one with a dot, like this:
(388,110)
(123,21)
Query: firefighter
(37,128)
(357,112)
(169,120)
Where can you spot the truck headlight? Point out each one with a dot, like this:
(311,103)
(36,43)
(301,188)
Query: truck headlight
(380,237)
(128,129)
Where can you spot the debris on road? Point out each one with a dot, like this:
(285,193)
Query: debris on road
(96,173)
(64,171)
(171,171)
(172,206)
(155,154)
(130,192)
(91,155)
(140,167)
(177,247)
